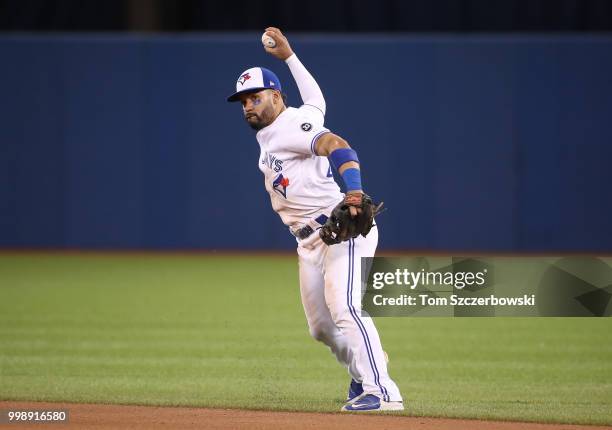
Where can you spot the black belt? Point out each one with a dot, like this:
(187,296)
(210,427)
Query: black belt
(306,231)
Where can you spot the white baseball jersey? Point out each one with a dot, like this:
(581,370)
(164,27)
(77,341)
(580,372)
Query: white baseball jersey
(300,183)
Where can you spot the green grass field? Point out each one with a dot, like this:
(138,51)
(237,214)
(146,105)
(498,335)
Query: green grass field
(229,331)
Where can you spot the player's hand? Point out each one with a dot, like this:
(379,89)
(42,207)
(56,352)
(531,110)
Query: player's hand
(353,199)
(282,50)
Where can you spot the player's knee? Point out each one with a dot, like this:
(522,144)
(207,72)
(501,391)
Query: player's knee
(319,333)
(342,318)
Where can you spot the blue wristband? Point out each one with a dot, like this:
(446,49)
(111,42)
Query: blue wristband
(341,156)
(352,179)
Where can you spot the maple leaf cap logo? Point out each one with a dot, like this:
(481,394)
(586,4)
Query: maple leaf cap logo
(243,78)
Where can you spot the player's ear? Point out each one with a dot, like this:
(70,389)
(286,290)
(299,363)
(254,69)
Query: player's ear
(276,97)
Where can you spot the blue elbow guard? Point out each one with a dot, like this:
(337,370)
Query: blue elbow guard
(352,179)
(341,156)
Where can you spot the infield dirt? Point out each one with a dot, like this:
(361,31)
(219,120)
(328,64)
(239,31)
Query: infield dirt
(99,417)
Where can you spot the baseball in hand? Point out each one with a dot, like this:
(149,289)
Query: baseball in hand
(268,41)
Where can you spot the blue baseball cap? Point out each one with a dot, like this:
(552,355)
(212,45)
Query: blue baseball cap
(253,80)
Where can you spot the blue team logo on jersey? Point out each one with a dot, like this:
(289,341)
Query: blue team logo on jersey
(272,161)
(280,185)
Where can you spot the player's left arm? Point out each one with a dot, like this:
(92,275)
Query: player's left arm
(344,159)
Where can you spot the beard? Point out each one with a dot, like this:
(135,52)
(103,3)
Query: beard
(257,122)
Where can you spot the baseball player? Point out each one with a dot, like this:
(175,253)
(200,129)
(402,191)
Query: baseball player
(297,153)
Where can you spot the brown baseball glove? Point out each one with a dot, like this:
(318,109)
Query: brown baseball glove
(343,225)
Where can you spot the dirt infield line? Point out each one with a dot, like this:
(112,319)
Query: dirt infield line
(99,417)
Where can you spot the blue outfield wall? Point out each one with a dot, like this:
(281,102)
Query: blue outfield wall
(488,143)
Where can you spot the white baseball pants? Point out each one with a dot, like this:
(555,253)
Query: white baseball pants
(330,286)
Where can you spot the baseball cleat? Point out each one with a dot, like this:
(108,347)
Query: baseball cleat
(371,403)
(355,390)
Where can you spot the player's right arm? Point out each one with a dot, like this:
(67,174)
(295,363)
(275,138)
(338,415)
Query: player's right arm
(309,89)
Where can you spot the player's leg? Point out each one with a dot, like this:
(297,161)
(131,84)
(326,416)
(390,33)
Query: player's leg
(343,295)
(320,322)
